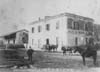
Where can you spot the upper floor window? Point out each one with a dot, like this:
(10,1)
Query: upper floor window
(48,27)
(89,26)
(57,25)
(86,27)
(81,24)
(70,23)
(39,28)
(76,25)
(32,29)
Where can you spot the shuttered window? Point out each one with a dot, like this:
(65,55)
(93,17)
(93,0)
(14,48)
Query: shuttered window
(32,29)
(48,27)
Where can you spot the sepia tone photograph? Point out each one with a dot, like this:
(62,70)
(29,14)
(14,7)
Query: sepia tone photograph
(49,35)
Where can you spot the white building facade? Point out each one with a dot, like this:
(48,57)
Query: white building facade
(64,29)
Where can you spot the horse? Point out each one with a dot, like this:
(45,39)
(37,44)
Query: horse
(54,47)
(87,51)
(45,47)
(64,49)
(70,49)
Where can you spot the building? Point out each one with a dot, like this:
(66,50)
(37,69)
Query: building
(65,29)
(17,37)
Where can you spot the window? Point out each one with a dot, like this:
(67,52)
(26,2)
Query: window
(89,26)
(39,28)
(76,41)
(76,25)
(32,29)
(32,41)
(70,22)
(57,40)
(86,27)
(86,40)
(81,25)
(38,43)
(57,25)
(47,27)
(14,41)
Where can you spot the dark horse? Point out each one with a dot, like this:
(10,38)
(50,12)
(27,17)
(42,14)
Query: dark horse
(87,51)
(50,47)
(53,47)
(65,49)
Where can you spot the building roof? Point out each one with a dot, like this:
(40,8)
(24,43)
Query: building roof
(14,32)
(62,15)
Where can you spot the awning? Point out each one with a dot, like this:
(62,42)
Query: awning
(10,36)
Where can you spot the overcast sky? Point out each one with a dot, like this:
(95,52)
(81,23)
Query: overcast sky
(21,12)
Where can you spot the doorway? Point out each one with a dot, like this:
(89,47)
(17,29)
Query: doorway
(47,41)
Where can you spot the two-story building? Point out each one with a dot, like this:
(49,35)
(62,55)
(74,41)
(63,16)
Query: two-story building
(64,29)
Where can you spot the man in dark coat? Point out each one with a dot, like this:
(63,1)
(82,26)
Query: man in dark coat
(29,53)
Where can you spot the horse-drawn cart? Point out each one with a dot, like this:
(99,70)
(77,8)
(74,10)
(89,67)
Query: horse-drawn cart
(11,55)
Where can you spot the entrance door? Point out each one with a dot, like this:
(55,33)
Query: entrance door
(47,41)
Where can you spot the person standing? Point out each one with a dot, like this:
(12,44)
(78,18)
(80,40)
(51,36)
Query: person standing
(29,53)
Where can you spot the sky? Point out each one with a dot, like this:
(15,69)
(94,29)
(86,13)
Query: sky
(15,14)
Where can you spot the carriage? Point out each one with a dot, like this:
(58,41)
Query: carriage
(12,54)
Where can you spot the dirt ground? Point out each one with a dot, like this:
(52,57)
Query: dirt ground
(56,62)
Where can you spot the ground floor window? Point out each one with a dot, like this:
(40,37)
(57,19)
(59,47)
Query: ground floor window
(32,41)
(57,40)
(39,43)
(76,41)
